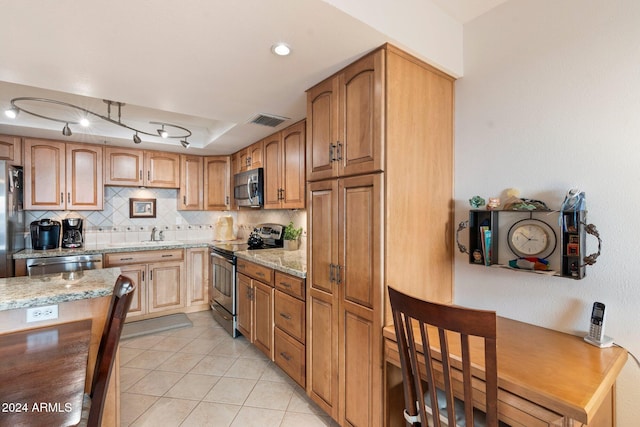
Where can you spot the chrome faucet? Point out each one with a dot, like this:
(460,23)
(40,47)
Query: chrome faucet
(153,234)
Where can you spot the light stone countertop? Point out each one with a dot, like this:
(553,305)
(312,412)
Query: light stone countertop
(25,292)
(290,262)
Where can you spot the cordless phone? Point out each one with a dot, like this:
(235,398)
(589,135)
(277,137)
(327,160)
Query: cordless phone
(596,334)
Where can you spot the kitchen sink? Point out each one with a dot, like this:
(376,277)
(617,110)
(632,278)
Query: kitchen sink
(146,243)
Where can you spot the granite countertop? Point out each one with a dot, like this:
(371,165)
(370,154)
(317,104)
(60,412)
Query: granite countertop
(290,262)
(113,247)
(25,292)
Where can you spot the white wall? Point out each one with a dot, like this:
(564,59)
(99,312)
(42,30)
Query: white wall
(550,99)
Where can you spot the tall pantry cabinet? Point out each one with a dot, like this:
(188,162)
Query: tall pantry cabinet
(380,213)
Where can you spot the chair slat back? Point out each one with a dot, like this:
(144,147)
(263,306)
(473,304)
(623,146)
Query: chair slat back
(418,358)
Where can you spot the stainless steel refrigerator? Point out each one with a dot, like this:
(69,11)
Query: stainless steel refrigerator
(11,216)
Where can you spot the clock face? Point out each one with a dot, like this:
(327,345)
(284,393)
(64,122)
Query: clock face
(531,238)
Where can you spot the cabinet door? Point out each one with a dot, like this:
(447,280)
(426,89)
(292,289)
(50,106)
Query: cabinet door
(263,317)
(44,174)
(84,183)
(165,286)
(322,297)
(360,296)
(137,273)
(361,116)
(190,197)
(162,169)
(197,276)
(123,166)
(244,159)
(11,149)
(245,310)
(272,156)
(216,183)
(322,125)
(293,167)
(255,153)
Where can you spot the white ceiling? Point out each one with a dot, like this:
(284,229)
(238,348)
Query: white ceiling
(201,64)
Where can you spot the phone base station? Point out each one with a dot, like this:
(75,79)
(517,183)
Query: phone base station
(606,341)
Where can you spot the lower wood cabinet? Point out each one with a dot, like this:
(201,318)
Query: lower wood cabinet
(197,277)
(159,277)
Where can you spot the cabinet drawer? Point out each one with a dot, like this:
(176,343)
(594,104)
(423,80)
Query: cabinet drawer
(124,258)
(291,285)
(289,315)
(259,272)
(289,355)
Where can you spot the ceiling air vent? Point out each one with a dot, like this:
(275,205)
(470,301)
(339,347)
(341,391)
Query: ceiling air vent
(268,120)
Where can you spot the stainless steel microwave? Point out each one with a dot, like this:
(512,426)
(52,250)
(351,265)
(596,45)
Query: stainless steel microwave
(248,188)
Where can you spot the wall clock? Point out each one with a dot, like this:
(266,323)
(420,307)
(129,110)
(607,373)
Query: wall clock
(531,238)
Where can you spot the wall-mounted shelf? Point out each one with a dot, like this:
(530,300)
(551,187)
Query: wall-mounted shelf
(530,241)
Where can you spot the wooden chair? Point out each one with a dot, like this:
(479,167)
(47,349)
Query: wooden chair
(94,401)
(438,404)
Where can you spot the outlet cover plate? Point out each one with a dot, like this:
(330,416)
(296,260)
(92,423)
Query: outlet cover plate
(37,314)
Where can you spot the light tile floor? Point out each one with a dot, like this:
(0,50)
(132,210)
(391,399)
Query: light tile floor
(200,376)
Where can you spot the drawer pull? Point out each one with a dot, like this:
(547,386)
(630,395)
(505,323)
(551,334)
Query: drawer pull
(285,315)
(260,274)
(240,266)
(167,256)
(126,259)
(285,356)
(286,285)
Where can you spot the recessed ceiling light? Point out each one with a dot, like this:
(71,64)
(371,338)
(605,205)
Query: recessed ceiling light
(84,122)
(281,49)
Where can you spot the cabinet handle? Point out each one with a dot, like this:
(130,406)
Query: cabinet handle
(248,161)
(140,174)
(226,200)
(126,259)
(61,198)
(339,274)
(167,256)
(331,273)
(285,356)
(69,197)
(184,200)
(259,274)
(339,151)
(286,316)
(151,275)
(148,175)
(143,276)
(286,285)
(331,148)
(240,266)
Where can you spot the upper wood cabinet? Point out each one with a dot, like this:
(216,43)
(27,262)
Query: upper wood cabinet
(251,157)
(128,167)
(191,194)
(284,168)
(11,149)
(61,176)
(345,121)
(217,184)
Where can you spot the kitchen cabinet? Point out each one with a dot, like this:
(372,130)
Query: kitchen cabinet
(284,168)
(61,176)
(289,313)
(160,277)
(345,121)
(128,167)
(251,157)
(255,305)
(387,121)
(191,194)
(217,183)
(11,149)
(197,276)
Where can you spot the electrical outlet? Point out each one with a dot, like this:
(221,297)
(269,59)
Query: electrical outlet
(38,314)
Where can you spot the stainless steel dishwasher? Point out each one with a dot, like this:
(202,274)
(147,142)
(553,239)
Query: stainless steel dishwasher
(63,264)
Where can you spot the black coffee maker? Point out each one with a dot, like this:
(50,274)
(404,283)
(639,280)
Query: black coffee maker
(45,234)
(72,233)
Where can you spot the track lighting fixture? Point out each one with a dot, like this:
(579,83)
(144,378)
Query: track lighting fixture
(174,131)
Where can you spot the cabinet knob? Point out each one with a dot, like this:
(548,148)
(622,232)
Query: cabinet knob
(285,316)
(285,356)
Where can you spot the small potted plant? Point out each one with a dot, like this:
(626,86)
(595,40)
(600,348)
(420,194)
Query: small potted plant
(291,237)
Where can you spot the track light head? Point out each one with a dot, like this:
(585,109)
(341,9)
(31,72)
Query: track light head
(66,130)
(136,139)
(163,133)
(185,143)
(12,112)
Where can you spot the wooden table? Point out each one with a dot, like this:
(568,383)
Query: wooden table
(42,374)
(545,377)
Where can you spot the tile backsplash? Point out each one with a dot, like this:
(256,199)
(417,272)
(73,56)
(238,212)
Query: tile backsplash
(113,225)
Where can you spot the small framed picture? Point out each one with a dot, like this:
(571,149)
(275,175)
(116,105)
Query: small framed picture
(573,249)
(142,208)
